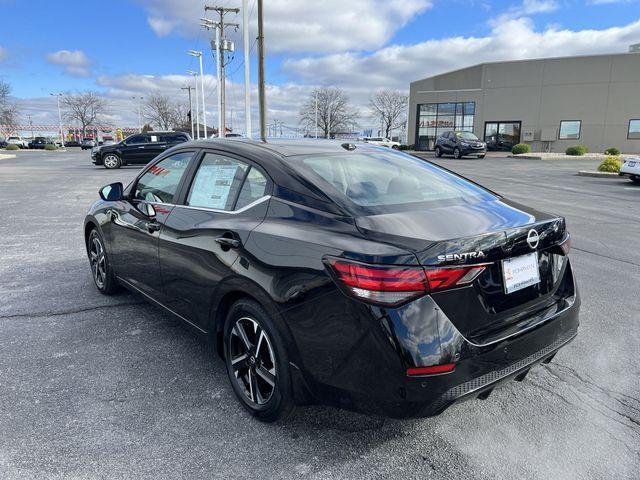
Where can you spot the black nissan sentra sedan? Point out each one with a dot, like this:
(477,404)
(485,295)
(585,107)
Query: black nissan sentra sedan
(343,274)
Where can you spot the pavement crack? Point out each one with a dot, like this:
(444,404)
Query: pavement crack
(628,262)
(67,312)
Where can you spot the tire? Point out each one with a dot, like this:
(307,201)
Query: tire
(456,153)
(394,147)
(635,179)
(101,270)
(481,156)
(111,161)
(257,362)
(438,152)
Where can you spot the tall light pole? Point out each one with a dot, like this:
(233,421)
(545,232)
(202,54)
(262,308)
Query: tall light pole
(247,60)
(195,76)
(58,95)
(261,86)
(195,53)
(188,88)
(139,99)
(316,114)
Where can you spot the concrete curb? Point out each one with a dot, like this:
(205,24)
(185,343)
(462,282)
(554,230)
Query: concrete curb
(588,173)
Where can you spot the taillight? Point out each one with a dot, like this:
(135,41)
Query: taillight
(566,245)
(393,285)
(431,369)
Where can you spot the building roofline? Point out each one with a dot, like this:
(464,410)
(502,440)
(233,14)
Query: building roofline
(522,60)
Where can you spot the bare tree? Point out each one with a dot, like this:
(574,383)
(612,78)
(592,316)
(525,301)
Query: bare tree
(335,113)
(8,113)
(161,111)
(86,108)
(390,107)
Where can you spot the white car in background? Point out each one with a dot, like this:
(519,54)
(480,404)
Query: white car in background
(631,168)
(382,142)
(17,140)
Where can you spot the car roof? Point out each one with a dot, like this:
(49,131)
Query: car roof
(285,148)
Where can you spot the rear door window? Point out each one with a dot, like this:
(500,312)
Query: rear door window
(217,182)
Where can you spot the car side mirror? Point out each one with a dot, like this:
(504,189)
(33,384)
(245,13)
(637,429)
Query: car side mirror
(112,192)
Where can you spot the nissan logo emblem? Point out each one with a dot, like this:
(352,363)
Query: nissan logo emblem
(533,239)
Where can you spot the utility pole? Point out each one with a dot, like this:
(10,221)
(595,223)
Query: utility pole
(139,111)
(247,60)
(261,96)
(195,53)
(30,124)
(188,88)
(221,45)
(316,114)
(195,76)
(58,95)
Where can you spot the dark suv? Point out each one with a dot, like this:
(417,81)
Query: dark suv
(137,149)
(460,144)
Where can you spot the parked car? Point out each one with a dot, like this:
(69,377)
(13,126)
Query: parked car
(631,168)
(137,149)
(17,140)
(382,142)
(340,274)
(87,143)
(40,142)
(71,143)
(460,144)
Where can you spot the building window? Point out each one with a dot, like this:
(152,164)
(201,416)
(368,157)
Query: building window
(634,130)
(570,129)
(436,118)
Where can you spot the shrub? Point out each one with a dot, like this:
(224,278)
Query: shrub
(610,164)
(13,146)
(612,151)
(50,146)
(577,150)
(407,147)
(521,148)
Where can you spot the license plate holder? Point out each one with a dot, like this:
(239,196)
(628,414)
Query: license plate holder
(520,272)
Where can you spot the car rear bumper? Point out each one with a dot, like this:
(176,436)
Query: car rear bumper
(370,375)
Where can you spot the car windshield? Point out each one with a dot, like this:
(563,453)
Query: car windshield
(466,136)
(380,182)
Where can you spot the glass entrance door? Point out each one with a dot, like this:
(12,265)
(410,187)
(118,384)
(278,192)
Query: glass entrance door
(502,136)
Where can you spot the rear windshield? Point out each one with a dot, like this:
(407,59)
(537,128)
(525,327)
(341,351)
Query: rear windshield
(380,182)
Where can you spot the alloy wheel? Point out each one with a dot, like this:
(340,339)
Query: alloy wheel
(253,361)
(98,261)
(110,161)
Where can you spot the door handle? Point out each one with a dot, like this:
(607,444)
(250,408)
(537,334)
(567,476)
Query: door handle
(141,147)
(228,242)
(153,226)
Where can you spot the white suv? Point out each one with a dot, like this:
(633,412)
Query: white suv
(631,167)
(17,140)
(382,142)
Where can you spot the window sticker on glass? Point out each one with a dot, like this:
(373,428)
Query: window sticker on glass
(154,138)
(212,185)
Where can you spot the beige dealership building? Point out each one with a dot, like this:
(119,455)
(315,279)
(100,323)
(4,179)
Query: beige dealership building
(548,103)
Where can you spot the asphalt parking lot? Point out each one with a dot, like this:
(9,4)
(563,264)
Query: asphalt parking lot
(112,387)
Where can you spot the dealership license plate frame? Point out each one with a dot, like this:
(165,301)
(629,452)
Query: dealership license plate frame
(525,282)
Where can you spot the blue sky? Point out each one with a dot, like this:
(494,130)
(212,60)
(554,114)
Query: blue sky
(122,48)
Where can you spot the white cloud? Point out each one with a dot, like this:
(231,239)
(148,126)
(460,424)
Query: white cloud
(75,62)
(3,53)
(397,65)
(301,25)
